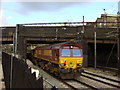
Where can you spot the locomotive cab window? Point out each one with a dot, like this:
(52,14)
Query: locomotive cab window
(65,52)
(76,52)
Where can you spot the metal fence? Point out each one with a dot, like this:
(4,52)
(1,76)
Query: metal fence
(17,74)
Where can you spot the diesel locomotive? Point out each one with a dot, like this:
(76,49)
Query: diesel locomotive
(63,59)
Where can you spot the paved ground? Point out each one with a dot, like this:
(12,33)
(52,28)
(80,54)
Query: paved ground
(2,86)
(1,73)
(47,78)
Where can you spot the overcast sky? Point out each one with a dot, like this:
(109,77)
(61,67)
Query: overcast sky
(13,13)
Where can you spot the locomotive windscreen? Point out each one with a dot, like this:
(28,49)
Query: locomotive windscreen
(71,52)
(77,52)
(65,52)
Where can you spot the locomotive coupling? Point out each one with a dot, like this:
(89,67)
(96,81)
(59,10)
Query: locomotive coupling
(63,70)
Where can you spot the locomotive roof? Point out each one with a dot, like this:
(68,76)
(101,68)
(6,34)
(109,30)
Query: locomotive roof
(56,45)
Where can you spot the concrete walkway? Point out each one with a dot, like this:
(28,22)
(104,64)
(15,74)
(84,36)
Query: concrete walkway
(2,85)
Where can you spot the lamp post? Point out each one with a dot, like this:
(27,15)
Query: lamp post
(118,42)
(95,49)
(82,31)
(16,38)
(104,19)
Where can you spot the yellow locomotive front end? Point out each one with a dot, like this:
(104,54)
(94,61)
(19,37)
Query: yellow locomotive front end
(71,63)
(71,59)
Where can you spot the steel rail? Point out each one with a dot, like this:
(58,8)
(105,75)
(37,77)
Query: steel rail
(72,87)
(102,77)
(100,81)
(90,86)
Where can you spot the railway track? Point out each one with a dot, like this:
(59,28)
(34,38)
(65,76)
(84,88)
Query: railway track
(73,84)
(89,80)
(90,73)
(93,84)
(80,85)
(104,81)
(93,81)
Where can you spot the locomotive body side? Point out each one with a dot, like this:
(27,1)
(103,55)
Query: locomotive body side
(47,55)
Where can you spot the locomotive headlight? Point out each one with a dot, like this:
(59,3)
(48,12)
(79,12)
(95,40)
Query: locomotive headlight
(63,64)
(65,61)
(79,64)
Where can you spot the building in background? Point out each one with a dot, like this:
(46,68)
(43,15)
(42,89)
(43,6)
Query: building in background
(105,21)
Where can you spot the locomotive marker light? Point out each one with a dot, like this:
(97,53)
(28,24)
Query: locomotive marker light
(63,64)
(79,64)
(71,47)
(64,61)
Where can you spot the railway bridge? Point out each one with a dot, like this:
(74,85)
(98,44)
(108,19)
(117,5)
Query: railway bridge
(47,33)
